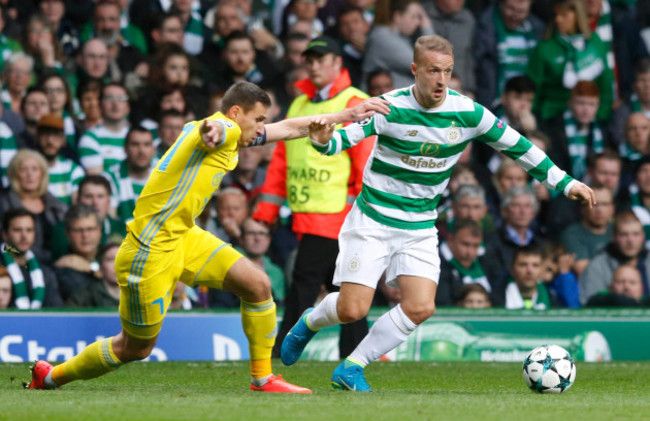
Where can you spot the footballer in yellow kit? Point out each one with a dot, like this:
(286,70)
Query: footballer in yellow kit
(163,246)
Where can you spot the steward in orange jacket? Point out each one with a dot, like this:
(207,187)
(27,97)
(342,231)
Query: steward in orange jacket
(319,190)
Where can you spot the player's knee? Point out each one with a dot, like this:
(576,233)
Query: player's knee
(351,313)
(420,312)
(258,290)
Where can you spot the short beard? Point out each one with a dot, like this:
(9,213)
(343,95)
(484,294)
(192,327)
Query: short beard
(110,38)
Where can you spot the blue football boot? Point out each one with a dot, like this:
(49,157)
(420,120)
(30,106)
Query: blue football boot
(296,340)
(349,376)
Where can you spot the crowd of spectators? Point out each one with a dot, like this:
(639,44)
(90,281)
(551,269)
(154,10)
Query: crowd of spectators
(94,92)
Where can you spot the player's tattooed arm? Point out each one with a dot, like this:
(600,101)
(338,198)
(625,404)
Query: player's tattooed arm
(298,127)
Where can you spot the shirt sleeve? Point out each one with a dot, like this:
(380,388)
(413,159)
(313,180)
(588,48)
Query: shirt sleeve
(350,135)
(509,142)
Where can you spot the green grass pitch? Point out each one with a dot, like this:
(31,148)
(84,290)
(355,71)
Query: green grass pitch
(403,391)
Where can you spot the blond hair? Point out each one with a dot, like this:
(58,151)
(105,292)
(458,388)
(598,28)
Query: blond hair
(432,43)
(18,160)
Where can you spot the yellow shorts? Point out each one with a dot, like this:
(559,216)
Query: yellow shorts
(147,278)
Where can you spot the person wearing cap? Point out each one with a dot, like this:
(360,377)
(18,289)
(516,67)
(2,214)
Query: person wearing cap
(319,190)
(64,173)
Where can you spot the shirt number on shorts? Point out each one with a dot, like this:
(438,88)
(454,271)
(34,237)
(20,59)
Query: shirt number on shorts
(161,303)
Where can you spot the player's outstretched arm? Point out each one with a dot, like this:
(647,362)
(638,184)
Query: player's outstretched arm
(582,192)
(297,127)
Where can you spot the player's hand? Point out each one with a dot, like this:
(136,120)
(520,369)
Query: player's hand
(368,108)
(583,193)
(321,131)
(211,132)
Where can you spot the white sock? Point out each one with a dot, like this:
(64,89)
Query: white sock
(48,382)
(325,313)
(259,382)
(390,330)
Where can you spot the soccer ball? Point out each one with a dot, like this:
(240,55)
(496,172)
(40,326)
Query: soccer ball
(549,369)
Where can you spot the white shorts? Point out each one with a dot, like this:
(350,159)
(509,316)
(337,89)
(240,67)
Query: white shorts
(368,248)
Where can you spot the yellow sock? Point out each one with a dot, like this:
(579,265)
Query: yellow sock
(260,327)
(98,358)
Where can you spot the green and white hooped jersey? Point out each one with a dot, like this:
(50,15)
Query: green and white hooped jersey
(102,147)
(125,189)
(417,149)
(8,149)
(65,177)
(152,126)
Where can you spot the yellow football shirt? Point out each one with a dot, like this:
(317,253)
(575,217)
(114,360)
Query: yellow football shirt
(182,184)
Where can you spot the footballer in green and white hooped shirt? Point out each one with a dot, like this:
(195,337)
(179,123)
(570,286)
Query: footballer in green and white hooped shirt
(391,227)
(102,146)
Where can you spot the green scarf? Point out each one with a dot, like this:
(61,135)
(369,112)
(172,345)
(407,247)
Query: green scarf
(582,63)
(21,294)
(472,275)
(513,49)
(540,301)
(605,31)
(636,107)
(627,152)
(579,145)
